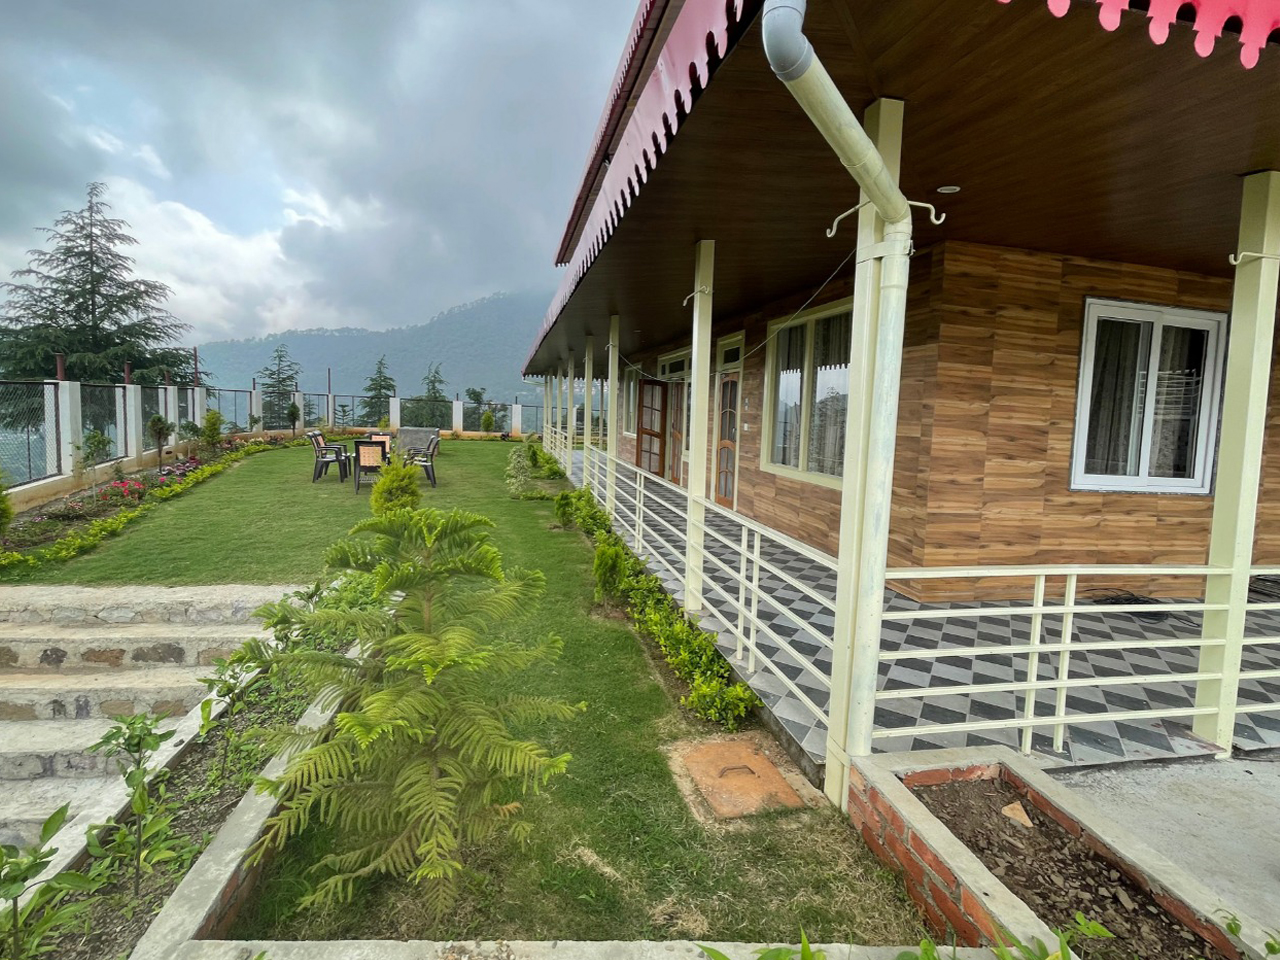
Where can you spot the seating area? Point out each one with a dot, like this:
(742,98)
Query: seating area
(418,445)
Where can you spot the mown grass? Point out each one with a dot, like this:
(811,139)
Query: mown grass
(615,853)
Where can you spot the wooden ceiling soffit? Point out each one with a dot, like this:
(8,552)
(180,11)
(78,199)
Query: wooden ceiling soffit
(1253,20)
(699,41)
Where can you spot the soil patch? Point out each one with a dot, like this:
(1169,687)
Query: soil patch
(1057,874)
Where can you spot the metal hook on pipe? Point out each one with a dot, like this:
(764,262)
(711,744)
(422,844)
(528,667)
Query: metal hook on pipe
(1235,259)
(835,224)
(702,289)
(935,217)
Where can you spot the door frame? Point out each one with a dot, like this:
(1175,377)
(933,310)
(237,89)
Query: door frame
(723,366)
(642,432)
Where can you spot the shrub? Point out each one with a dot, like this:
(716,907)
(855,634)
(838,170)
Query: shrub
(613,564)
(421,763)
(211,431)
(6,511)
(518,475)
(487,422)
(397,487)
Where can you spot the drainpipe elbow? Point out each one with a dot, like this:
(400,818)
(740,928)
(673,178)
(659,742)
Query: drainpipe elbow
(788,49)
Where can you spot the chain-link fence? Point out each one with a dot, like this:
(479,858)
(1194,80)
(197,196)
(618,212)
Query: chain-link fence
(234,405)
(315,409)
(30,447)
(530,419)
(421,412)
(155,403)
(102,412)
(353,410)
(473,417)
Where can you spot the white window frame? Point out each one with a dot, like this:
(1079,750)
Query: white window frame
(1215,324)
(630,400)
(808,319)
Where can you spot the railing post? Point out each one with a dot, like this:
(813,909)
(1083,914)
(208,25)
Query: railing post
(755,600)
(611,431)
(588,372)
(699,422)
(1033,662)
(70,424)
(639,511)
(1064,660)
(132,423)
(742,586)
(870,432)
(1244,419)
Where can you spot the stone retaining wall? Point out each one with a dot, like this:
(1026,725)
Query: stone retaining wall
(956,892)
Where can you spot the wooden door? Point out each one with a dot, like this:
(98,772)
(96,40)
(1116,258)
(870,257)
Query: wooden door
(676,399)
(650,426)
(726,476)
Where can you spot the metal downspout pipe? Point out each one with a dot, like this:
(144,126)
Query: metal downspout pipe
(792,58)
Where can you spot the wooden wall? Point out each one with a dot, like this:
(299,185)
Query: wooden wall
(986,423)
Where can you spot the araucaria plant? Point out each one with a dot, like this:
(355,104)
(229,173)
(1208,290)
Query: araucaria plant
(420,759)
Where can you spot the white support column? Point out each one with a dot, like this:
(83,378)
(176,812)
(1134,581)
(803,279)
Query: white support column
(588,371)
(571,404)
(330,410)
(1244,420)
(200,404)
(546,404)
(393,413)
(171,393)
(516,427)
(699,420)
(614,424)
(133,425)
(458,419)
(70,424)
(869,426)
(255,408)
(297,397)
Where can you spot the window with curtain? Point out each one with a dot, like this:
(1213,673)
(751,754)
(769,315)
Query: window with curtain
(788,396)
(630,400)
(809,393)
(1150,379)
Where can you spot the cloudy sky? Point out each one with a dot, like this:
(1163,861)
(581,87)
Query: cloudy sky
(308,163)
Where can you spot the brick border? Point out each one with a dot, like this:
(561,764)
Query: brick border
(956,892)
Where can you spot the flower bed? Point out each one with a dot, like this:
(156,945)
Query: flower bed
(78,523)
(938,818)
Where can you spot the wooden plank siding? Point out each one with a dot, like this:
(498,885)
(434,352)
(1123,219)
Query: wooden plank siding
(986,422)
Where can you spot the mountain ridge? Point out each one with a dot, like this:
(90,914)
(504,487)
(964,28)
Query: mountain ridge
(482,343)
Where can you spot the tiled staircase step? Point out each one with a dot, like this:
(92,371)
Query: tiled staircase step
(51,695)
(40,749)
(46,646)
(24,807)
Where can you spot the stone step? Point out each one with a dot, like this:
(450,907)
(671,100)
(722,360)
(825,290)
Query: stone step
(52,695)
(24,807)
(113,649)
(64,606)
(40,749)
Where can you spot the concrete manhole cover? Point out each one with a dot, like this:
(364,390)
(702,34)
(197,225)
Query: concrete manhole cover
(735,777)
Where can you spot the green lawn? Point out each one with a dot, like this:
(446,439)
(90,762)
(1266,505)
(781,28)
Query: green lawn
(615,852)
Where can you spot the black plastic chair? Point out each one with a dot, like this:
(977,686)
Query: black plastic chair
(368,459)
(327,454)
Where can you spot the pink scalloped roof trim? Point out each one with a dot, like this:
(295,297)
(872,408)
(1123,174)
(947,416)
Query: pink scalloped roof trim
(699,39)
(1258,19)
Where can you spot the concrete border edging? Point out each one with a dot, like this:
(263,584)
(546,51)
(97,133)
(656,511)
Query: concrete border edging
(950,883)
(511,950)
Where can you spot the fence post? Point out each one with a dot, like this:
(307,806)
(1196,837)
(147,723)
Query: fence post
(133,425)
(171,393)
(199,404)
(457,416)
(70,425)
(517,419)
(393,414)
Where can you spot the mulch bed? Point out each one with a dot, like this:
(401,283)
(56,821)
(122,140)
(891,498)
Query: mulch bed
(1058,875)
(116,920)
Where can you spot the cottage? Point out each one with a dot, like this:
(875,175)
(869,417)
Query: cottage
(937,339)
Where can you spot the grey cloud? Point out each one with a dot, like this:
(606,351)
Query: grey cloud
(464,123)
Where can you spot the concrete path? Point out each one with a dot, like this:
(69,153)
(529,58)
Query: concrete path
(1218,819)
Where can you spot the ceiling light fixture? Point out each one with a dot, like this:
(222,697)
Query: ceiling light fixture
(949,189)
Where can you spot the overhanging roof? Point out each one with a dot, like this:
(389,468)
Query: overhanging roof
(1063,137)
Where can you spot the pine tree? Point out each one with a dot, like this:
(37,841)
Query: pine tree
(81,299)
(433,408)
(277,381)
(419,761)
(378,390)
(433,384)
